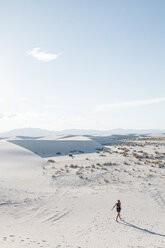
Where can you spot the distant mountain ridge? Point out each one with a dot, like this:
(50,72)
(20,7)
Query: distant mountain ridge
(37,132)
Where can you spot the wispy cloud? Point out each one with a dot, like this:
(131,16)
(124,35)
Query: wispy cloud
(106,107)
(43,56)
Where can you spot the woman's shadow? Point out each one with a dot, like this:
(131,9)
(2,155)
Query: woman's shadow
(141,229)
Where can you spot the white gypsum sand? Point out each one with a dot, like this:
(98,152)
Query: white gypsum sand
(63,198)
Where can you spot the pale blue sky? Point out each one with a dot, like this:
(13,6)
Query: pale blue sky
(108,72)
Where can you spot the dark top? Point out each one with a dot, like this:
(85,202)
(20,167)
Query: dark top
(118,206)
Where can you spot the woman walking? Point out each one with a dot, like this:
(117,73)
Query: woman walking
(118,209)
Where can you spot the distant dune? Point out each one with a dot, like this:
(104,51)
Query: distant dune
(36,132)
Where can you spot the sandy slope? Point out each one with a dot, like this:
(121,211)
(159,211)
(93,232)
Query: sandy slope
(21,176)
(67,203)
(50,146)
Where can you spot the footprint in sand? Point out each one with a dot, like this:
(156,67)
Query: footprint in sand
(11,236)
(4,238)
(26,242)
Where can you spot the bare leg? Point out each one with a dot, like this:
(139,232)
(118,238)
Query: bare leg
(117,216)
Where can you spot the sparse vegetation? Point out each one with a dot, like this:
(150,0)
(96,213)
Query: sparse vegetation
(142,163)
(74,166)
(51,161)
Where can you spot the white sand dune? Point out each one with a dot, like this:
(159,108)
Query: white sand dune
(67,203)
(105,139)
(14,160)
(49,146)
(20,171)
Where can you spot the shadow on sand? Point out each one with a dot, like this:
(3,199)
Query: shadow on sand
(141,229)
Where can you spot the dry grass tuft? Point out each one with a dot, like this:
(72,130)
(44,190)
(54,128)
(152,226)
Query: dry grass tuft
(51,160)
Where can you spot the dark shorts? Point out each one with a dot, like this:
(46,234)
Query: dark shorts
(118,210)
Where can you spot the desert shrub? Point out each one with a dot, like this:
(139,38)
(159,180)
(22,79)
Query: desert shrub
(159,157)
(158,162)
(51,161)
(73,166)
(113,163)
(58,153)
(145,155)
(108,151)
(126,149)
(106,180)
(98,164)
(81,151)
(161,166)
(70,155)
(136,155)
(93,166)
